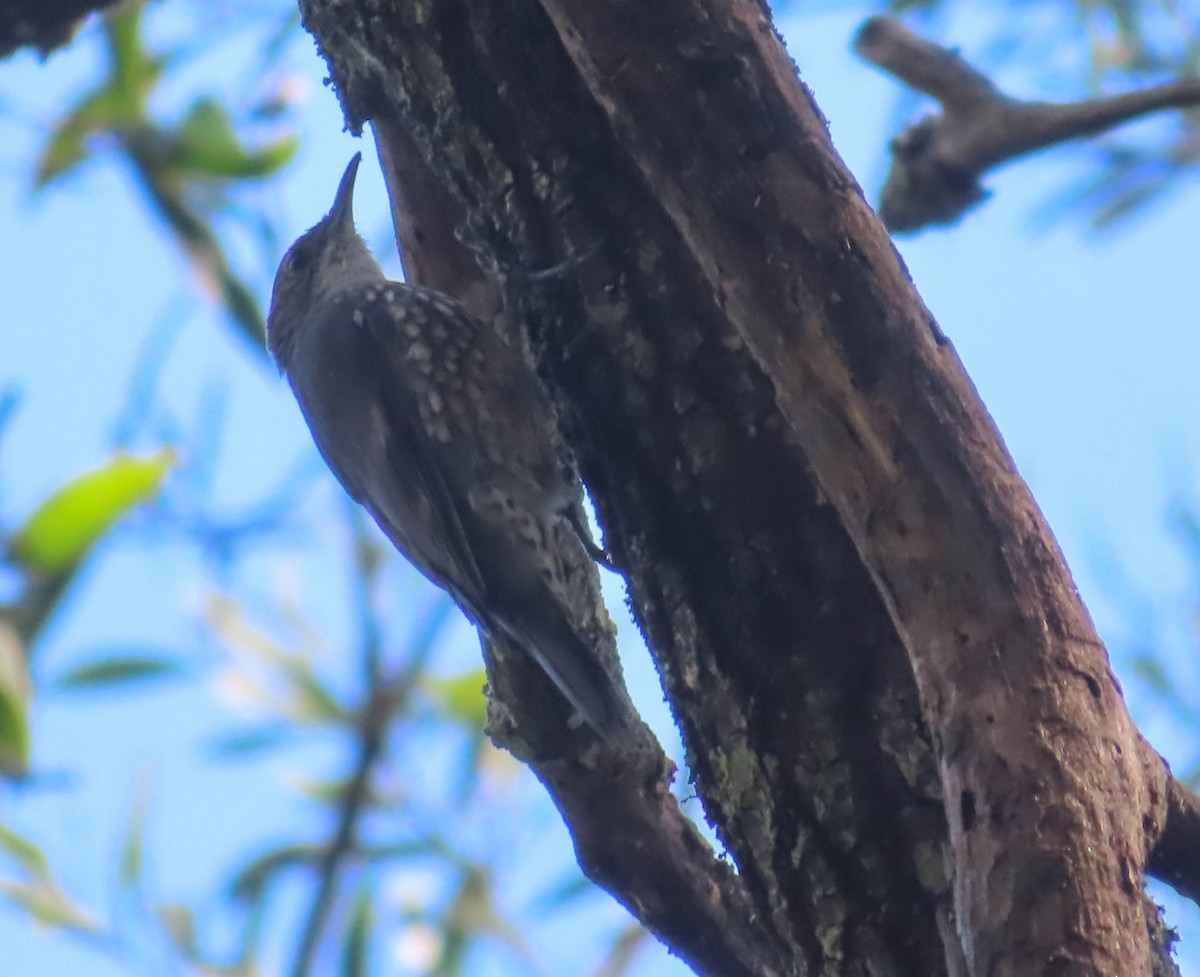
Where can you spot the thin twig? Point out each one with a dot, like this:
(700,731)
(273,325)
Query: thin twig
(385,698)
(372,731)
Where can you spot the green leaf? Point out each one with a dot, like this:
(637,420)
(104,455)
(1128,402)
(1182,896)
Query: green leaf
(313,703)
(108,672)
(133,847)
(49,905)
(24,852)
(135,71)
(461,696)
(116,106)
(356,953)
(322,791)
(179,922)
(68,145)
(15,692)
(207,144)
(65,526)
(271,156)
(247,742)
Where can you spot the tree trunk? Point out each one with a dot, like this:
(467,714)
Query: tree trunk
(896,709)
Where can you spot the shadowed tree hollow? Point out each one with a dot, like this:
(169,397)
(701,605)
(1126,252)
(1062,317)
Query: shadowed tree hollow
(896,709)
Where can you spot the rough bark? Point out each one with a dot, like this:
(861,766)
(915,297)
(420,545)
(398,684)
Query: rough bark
(896,708)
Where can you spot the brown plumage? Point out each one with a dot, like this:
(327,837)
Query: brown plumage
(434,424)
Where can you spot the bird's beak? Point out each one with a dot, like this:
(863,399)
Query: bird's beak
(342,212)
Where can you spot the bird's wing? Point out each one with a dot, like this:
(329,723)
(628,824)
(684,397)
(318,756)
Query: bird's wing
(391,465)
(435,540)
(440,441)
(431,529)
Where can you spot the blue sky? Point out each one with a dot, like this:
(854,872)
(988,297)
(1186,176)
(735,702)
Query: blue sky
(1083,346)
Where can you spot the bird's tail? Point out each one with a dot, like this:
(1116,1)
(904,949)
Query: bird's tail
(573,665)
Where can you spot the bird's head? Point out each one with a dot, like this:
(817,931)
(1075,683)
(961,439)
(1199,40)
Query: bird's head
(328,257)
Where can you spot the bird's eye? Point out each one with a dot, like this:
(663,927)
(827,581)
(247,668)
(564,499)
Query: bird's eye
(297,259)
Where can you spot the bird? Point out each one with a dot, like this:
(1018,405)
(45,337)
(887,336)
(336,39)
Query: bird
(434,423)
